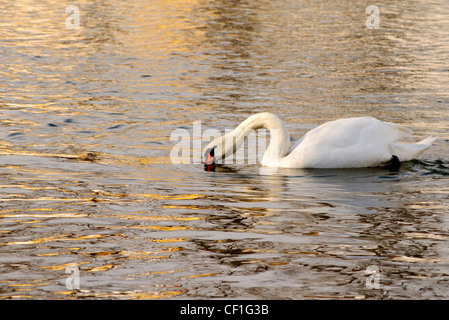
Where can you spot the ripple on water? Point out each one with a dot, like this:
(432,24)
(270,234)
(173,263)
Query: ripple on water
(87,182)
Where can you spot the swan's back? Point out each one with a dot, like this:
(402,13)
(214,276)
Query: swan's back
(347,143)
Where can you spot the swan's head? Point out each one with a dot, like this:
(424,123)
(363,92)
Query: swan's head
(223,146)
(218,149)
(209,159)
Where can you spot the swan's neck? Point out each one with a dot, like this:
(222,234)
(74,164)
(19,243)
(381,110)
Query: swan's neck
(279,136)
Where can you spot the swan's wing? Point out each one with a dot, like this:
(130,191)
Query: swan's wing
(352,142)
(357,131)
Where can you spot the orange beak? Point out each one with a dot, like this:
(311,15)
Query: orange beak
(209,160)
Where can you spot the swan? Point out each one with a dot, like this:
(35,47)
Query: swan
(343,143)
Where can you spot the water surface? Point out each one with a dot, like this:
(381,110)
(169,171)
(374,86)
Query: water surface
(86,176)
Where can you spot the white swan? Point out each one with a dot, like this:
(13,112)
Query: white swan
(344,143)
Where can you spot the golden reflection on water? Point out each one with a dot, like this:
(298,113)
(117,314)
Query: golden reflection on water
(52,239)
(86,117)
(137,295)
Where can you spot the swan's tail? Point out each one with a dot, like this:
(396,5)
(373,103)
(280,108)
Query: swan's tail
(428,141)
(410,151)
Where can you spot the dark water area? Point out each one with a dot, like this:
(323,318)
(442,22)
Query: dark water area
(88,188)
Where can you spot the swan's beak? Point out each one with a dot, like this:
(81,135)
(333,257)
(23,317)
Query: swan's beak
(209,159)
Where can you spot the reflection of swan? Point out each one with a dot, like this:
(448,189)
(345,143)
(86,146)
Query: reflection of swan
(344,143)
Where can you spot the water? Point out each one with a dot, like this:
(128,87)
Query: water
(87,183)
